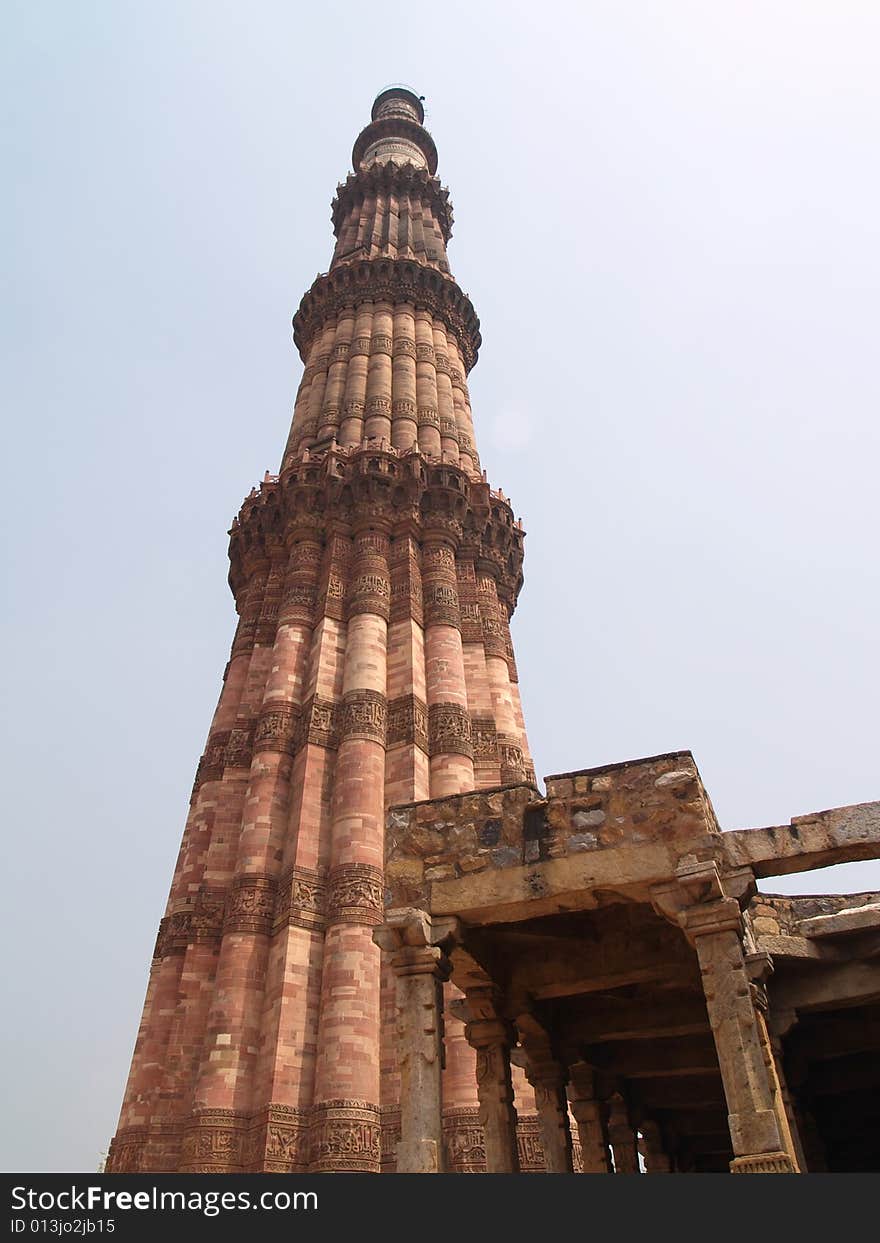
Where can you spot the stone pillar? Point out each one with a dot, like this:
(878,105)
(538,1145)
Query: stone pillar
(420,968)
(547,1076)
(779,1023)
(591,1116)
(492,1037)
(713,924)
(622,1136)
(657,1159)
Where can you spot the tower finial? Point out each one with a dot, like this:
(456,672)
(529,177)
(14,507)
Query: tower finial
(396,132)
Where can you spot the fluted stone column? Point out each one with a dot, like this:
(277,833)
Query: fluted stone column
(346,1125)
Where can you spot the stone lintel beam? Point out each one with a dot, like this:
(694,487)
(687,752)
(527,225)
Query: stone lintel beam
(598,1020)
(825,986)
(850,919)
(508,894)
(841,835)
(835,1037)
(418,947)
(858,1073)
(686,1057)
(697,1093)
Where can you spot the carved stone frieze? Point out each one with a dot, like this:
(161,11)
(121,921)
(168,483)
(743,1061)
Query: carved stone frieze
(449,730)
(301,899)
(278,729)
(530,1145)
(212,1142)
(213,759)
(346,1136)
(513,766)
(395,280)
(278,1141)
(320,722)
(201,920)
(465,1141)
(355,894)
(390,1138)
(239,748)
(485,738)
(408,722)
(364,714)
(251,904)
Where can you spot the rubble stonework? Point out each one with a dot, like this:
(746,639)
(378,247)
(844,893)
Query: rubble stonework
(384,950)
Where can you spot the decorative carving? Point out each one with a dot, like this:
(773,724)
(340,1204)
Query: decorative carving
(513,766)
(364,715)
(529,1145)
(465,1141)
(278,728)
(390,1138)
(301,899)
(251,904)
(356,894)
(239,749)
(201,921)
(287,1140)
(298,605)
(406,581)
(394,280)
(371,583)
(321,722)
(449,730)
(763,1163)
(428,416)
(346,1136)
(485,738)
(127,1150)
(212,1142)
(408,722)
(213,759)
(378,406)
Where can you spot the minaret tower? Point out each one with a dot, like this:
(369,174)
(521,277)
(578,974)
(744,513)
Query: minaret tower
(374,578)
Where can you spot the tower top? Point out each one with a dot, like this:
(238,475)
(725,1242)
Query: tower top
(396,132)
(398,100)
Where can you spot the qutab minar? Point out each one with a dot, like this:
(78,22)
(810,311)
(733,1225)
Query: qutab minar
(374,578)
(384,949)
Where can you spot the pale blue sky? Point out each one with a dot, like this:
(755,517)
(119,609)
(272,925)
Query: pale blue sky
(666,216)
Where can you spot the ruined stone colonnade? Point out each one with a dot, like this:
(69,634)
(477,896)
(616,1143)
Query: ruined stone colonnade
(610,940)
